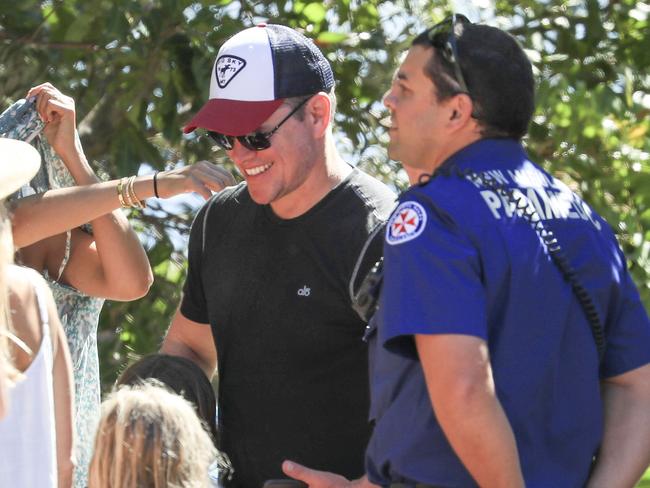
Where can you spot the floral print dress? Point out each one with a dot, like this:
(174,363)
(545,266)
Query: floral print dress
(79,312)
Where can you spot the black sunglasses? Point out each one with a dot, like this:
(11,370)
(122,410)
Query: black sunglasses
(256,141)
(443,37)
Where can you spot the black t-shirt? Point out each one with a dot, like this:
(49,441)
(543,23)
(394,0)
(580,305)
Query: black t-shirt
(293,377)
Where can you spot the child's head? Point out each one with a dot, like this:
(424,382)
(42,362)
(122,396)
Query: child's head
(148,436)
(180,375)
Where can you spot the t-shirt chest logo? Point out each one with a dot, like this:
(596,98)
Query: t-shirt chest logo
(227,68)
(406,223)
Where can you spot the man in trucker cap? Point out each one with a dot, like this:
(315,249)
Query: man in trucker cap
(270,264)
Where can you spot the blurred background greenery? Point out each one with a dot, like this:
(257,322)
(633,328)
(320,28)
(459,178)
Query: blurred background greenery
(139,68)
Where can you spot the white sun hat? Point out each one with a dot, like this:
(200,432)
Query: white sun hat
(19,162)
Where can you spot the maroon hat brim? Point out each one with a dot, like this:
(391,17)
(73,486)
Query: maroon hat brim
(232,117)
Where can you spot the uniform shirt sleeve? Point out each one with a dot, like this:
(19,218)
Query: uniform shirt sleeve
(432,281)
(193,304)
(628,331)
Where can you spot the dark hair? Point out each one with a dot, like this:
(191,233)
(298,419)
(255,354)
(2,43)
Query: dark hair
(183,377)
(498,75)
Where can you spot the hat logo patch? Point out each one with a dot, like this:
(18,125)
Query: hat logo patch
(406,223)
(227,68)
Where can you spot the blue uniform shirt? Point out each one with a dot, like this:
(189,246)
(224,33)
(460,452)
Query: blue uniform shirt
(459,260)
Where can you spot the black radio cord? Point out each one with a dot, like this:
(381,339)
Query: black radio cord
(525,209)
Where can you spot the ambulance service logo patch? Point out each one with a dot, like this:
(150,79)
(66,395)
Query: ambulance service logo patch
(227,68)
(406,223)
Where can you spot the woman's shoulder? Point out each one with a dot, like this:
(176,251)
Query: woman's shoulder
(28,292)
(26,320)
(22,278)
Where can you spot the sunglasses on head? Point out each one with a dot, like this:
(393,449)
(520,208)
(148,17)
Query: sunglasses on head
(443,38)
(256,141)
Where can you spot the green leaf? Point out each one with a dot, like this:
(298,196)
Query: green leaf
(590,131)
(126,336)
(314,12)
(328,37)
(78,30)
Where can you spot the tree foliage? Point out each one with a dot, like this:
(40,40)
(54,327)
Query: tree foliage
(593,107)
(139,68)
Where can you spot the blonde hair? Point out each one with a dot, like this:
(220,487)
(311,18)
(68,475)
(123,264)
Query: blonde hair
(7,369)
(148,436)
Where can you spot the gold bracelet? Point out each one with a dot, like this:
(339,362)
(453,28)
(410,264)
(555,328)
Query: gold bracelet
(120,196)
(137,203)
(129,192)
(125,193)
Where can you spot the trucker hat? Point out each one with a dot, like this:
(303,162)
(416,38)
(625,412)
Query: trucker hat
(254,72)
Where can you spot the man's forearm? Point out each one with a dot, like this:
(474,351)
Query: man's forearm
(625,451)
(481,436)
(193,341)
(177,348)
(460,384)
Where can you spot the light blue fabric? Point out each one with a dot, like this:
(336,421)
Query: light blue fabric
(79,313)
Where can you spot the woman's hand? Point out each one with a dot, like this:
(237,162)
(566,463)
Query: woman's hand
(202,177)
(58,112)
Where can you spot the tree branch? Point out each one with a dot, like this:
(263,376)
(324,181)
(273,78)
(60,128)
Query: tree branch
(50,45)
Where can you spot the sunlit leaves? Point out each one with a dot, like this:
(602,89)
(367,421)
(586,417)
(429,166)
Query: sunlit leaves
(314,12)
